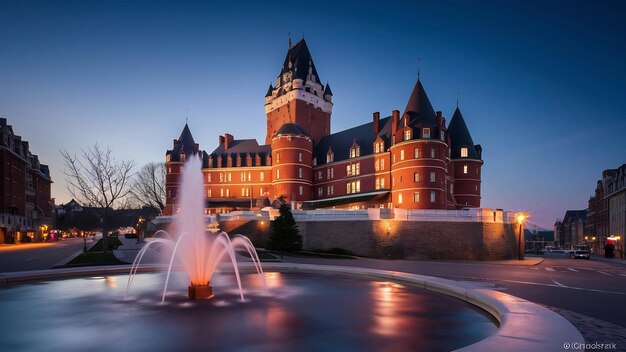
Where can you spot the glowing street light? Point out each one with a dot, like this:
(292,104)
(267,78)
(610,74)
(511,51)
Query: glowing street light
(521,218)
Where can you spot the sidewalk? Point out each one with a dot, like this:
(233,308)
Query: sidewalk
(608,260)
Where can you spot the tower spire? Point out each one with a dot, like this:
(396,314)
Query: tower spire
(289,34)
(418,67)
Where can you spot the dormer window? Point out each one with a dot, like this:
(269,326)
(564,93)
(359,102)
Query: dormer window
(182,157)
(168,158)
(379,147)
(443,136)
(355,152)
(330,157)
(464,152)
(406,135)
(425,132)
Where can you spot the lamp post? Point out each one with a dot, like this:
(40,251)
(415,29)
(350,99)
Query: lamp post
(521,218)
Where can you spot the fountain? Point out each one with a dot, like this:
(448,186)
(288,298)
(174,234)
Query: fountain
(200,251)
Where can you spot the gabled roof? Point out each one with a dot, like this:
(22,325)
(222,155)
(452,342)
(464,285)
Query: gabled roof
(300,58)
(575,215)
(292,129)
(460,137)
(419,108)
(241,147)
(342,141)
(184,142)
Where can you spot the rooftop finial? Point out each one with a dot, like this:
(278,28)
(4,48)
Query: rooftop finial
(186,116)
(457,99)
(289,40)
(418,67)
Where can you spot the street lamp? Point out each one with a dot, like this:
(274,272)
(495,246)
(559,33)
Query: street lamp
(521,218)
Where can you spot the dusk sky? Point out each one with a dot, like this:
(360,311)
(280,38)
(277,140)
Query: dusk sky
(542,85)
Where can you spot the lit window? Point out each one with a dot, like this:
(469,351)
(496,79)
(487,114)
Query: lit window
(227,192)
(300,172)
(221,177)
(432,153)
(332,173)
(382,183)
(400,198)
(242,176)
(377,165)
(425,132)
(314,161)
(300,190)
(416,177)
(464,169)
(229,177)
(299,156)
(432,176)
(168,158)
(402,155)
(208,178)
(208,193)
(358,168)
(463,152)
(407,135)
(330,157)
(277,157)
(432,196)
(249,176)
(278,174)
(416,197)
(348,190)
(348,172)
(221,192)
(377,183)
(262,176)
(416,153)
(382,164)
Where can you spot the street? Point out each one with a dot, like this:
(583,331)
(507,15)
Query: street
(41,255)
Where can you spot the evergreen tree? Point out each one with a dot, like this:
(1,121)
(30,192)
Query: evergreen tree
(284,235)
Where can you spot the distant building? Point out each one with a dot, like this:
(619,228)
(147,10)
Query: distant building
(26,209)
(606,214)
(573,232)
(408,161)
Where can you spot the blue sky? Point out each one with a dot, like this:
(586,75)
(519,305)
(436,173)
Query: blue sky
(541,84)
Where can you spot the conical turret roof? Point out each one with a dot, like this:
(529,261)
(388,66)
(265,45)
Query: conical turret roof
(185,142)
(300,58)
(327,90)
(269,91)
(419,107)
(460,137)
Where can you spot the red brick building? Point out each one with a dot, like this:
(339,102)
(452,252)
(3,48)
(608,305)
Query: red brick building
(26,209)
(411,161)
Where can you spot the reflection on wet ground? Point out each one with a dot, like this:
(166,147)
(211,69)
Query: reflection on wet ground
(302,312)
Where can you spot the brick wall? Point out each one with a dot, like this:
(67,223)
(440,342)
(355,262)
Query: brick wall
(397,239)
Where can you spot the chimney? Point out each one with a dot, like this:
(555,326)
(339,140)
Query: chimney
(406,119)
(479,150)
(175,141)
(395,116)
(376,117)
(439,118)
(221,140)
(228,141)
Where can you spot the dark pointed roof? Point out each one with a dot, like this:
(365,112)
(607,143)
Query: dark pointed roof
(300,57)
(291,128)
(460,137)
(269,91)
(241,147)
(419,107)
(185,142)
(327,90)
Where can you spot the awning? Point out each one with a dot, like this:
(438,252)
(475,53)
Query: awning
(347,199)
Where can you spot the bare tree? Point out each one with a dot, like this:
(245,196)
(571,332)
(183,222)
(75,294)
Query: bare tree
(149,185)
(97,179)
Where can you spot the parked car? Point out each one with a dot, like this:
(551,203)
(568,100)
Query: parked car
(580,252)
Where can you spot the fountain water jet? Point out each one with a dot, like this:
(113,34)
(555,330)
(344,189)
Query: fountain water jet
(199,250)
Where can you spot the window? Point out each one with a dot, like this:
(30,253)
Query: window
(416,177)
(262,176)
(382,164)
(227,192)
(377,183)
(425,132)
(299,156)
(348,189)
(320,191)
(229,178)
(168,158)
(355,152)
(432,153)
(314,161)
(443,136)
(377,165)
(221,192)
(169,170)
(358,168)
(432,176)
(348,172)
(278,174)
(242,176)
(416,153)
(402,155)
(221,177)
(416,197)
(208,178)
(379,147)
(330,157)
(407,135)
(332,173)
(300,190)
(464,169)
(463,152)
(243,191)
(382,182)
(299,172)
(400,198)
(208,193)
(182,157)
(319,175)
(432,196)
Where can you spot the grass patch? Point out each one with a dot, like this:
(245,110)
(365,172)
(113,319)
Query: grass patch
(114,242)
(93,259)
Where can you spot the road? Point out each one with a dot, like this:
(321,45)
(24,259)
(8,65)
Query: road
(36,256)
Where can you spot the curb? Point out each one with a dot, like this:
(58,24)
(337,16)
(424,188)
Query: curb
(524,326)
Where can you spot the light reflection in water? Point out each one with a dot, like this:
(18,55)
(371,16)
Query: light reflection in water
(390,318)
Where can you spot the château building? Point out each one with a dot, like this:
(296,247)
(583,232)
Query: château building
(410,160)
